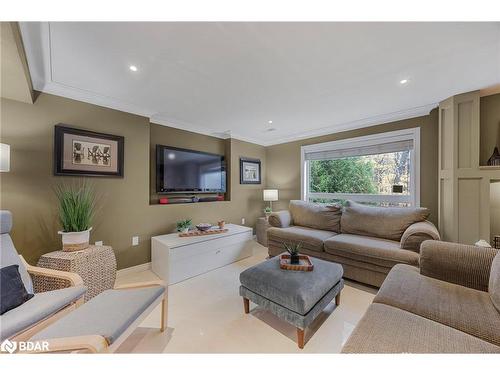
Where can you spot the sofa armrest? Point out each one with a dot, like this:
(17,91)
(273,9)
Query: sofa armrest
(417,233)
(280,219)
(46,279)
(460,264)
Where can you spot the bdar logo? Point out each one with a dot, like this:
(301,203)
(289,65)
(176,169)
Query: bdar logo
(8,346)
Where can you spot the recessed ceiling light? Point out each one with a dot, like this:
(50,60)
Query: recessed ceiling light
(404,81)
(133,68)
(270,121)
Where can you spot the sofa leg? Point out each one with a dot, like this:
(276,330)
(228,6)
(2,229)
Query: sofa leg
(300,338)
(337,299)
(246,305)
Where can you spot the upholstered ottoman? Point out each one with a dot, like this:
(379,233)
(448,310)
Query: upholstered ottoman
(295,296)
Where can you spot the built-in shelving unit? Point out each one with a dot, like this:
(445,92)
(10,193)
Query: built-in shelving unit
(464,185)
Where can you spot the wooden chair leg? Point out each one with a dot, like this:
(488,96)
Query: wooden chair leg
(300,338)
(164,314)
(246,305)
(337,299)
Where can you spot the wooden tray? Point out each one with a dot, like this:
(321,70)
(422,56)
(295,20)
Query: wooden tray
(305,263)
(194,233)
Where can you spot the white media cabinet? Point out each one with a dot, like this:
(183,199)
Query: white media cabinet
(175,258)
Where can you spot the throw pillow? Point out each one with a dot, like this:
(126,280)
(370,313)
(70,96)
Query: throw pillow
(12,290)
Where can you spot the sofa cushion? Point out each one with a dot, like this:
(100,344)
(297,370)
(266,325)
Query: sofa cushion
(109,314)
(465,309)
(41,306)
(297,291)
(311,239)
(381,222)
(12,291)
(372,250)
(494,284)
(316,216)
(386,329)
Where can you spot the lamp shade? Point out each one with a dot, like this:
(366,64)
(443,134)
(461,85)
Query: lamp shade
(270,195)
(4,157)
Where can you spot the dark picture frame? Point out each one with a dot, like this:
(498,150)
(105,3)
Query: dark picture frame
(104,159)
(248,168)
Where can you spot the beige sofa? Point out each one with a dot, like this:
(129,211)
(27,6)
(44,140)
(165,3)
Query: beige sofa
(367,241)
(450,305)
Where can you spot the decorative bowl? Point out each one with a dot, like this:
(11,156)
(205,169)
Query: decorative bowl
(203,226)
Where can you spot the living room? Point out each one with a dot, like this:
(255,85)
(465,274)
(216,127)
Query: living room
(250,187)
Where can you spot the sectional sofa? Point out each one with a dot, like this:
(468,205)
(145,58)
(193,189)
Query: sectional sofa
(366,240)
(451,304)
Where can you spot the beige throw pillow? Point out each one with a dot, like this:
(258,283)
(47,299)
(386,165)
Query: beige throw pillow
(382,222)
(316,216)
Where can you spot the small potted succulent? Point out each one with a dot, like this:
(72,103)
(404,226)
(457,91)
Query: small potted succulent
(268,211)
(77,206)
(293,250)
(184,225)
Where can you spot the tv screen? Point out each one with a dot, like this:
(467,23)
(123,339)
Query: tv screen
(187,171)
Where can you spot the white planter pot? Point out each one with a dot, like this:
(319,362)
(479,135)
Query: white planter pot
(74,241)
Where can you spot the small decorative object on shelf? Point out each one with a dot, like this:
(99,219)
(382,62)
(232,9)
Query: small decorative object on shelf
(496,242)
(77,206)
(221,224)
(184,225)
(203,226)
(163,200)
(495,158)
(268,211)
(304,264)
(293,250)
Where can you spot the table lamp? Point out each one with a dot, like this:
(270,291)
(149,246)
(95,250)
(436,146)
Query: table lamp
(270,195)
(4,157)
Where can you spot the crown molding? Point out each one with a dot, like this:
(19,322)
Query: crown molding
(36,38)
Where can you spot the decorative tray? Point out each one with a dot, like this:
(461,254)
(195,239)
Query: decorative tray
(305,263)
(193,233)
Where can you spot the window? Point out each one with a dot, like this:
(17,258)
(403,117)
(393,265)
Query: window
(380,169)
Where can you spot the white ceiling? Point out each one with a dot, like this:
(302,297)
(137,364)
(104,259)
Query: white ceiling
(232,78)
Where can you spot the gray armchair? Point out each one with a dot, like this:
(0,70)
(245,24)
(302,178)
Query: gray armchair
(45,307)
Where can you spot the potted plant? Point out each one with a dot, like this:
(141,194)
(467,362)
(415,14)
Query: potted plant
(184,225)
(293,250)
(268,211)
(77,206)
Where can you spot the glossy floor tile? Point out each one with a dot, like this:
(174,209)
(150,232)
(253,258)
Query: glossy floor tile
(206,316)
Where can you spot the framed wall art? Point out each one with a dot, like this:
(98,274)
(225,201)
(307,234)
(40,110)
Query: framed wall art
(250,171)
(79,152)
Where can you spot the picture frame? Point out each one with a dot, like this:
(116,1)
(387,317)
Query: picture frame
(250,171)
(79,152)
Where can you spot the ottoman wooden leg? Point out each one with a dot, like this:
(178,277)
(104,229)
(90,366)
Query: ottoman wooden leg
(337,299)
(300,338)
(246,305)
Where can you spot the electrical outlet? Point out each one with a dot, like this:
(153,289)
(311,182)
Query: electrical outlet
(242,221)
(135,240)
(98,243)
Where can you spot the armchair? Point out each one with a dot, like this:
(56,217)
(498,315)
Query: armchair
(47,306)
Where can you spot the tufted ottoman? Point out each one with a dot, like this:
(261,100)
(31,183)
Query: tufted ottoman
(295,296)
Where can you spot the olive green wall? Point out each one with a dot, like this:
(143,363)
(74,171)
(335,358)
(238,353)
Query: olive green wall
(283,161)
(125,210)
(490,126)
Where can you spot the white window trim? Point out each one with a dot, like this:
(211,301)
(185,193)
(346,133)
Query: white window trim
(368,140)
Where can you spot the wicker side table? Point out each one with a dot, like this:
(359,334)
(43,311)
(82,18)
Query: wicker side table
(96,265)
(261,228)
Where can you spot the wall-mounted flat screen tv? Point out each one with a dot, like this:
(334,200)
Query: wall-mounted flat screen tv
(187,171)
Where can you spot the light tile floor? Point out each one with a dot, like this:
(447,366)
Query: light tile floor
(206,316)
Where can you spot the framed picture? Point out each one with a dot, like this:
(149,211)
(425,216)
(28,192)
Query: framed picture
(80,152)
(250,171)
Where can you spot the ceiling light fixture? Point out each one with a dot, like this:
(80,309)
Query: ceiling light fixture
(404,81)
(133,68)
(270,121)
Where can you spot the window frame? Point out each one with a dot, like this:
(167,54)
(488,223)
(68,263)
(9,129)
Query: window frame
(412,134)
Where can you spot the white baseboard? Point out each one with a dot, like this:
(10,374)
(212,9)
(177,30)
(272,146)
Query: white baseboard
(134,269)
